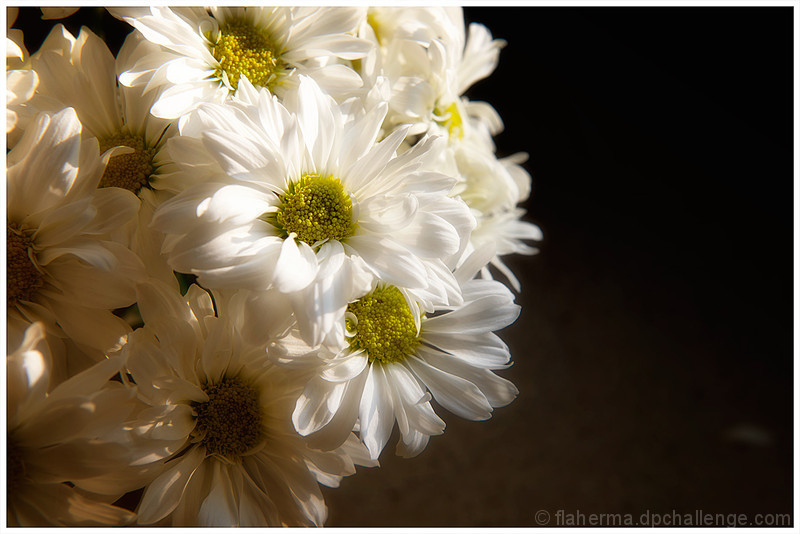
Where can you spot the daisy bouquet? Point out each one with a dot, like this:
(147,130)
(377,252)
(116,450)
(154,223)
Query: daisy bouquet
(244,249)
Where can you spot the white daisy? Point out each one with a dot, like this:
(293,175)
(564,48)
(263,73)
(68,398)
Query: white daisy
(57,441)
(82,73)
(395,357)
(204,54)
(429,60)
(220,417)
(312,206)
(491,187)
(430,63)
(62,270)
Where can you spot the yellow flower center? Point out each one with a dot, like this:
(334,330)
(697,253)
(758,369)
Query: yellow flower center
(382,325)
(315,208)
(230,423)
(128,171)
(450,118)
(24,278)
(244,49)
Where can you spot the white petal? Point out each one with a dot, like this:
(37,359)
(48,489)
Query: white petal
(407,386)
(359,136)
(296,266)
(477,317)
(99,329)
(458,395)
(90,380)
(336,80)
(387,214)
(430,236)
(498,391)
(313,410)
(185,514)
(96,287)
(180,99)
(236,151)
(219,508)
(237,204)
(376,412)
(113,207)
(36,183)
(481,350)
(317,120)
(28,369)
(345,369)
(412,444)
(165,492)
(358,177)
(93,252)
(392,262)
(346,404)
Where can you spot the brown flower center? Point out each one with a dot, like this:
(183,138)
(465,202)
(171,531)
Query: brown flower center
(230,422)
(128,171)
(23,276)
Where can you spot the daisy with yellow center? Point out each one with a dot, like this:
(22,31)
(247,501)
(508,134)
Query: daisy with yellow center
(381,324)
(430,61)
(492,188)
(311,206)
(431,58)
(218,422)
(315,208)
(204,54)
(243,49)
(396,355)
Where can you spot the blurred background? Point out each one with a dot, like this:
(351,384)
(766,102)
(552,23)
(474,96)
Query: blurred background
(654,352)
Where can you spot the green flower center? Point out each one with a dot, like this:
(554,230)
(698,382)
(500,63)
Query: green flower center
(128,171)
(244,49)
(383,325)
(450,119)
(230,422)
(23,276)
(315,208)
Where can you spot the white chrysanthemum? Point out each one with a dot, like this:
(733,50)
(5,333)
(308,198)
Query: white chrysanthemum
(57,442)
(21,81)
(82,73)
(429,60)
(394,358)
(491,187)
(61,268)
(429,63)
(204,54)
(220,416)
(312,206)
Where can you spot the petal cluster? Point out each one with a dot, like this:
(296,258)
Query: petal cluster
(242,248)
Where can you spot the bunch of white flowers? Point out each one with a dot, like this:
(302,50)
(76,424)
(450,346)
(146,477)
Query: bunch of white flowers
(242,249)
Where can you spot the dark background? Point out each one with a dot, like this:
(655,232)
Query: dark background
(654,352)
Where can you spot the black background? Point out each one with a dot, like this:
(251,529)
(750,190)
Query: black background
(654,352)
